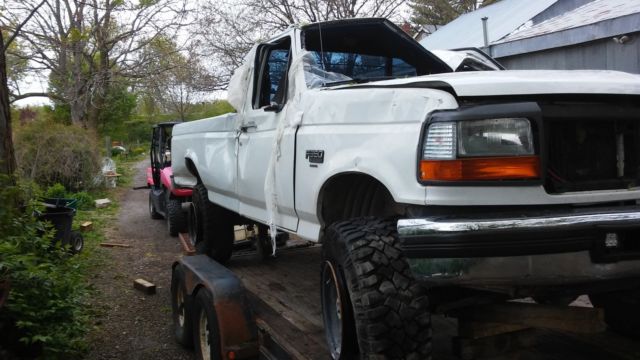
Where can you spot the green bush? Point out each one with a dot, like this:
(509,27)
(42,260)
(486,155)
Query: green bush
(45,315)
(50,153)
(85,200)
(135,151)
(56,190)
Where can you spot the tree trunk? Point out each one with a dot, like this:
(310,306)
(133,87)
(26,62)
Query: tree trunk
(7,156)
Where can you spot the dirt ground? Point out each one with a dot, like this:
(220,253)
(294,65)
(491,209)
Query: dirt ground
(133,325)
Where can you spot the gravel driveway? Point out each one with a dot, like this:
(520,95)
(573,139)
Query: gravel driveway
(132,325)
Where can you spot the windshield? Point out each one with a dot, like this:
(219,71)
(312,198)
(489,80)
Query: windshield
(363,50)
(331,67)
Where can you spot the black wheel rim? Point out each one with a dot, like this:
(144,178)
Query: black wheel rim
(193,225)
(332,310)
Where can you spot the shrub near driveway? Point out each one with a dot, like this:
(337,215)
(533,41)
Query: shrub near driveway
(50,153)
(44,315)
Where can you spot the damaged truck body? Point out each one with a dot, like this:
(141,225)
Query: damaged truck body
(428,188)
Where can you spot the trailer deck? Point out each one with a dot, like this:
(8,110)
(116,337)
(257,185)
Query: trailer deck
(285,295)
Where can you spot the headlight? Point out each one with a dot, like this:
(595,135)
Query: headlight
(488,149)
(495,137)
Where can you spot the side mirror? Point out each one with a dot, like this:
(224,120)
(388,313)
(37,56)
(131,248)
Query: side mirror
(274,107)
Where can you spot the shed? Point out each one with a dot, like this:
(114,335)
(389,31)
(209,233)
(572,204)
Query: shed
(551,34)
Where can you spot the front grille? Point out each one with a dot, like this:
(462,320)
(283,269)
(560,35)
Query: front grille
(591,146)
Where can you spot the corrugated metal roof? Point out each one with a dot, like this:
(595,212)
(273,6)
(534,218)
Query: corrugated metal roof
(591,13)
(504,17)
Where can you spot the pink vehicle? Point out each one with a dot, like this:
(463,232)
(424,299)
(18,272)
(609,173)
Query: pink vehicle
(165,200)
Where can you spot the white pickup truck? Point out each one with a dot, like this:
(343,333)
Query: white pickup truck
(425,185)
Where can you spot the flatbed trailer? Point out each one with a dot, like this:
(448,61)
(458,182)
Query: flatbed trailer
(271,310)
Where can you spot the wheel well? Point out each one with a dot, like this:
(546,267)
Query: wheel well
(192,168)
(353,195)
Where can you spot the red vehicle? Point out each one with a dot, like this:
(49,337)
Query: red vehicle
(165,200)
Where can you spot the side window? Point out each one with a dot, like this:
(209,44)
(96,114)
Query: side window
(271,79)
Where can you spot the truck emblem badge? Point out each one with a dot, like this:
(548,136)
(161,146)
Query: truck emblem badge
(315,156)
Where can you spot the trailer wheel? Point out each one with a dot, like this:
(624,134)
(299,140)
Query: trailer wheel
(176,219)
(181,309)
(205,328)
(621,311)
(210,228)
(76,242)
(367,286)
(155,215)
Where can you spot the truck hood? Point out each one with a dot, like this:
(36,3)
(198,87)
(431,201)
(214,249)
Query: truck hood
(520,82)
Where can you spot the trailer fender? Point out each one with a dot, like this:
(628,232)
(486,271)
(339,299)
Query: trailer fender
(238,331)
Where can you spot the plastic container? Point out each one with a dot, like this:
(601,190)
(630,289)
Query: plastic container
(61,217)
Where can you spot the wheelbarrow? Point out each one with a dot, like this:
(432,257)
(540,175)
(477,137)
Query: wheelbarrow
(61,217)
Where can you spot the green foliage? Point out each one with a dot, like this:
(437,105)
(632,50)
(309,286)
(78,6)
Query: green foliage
(119,105)
(50,153)
(210,109)
(46,303)
(60,113)
(137,150)
(85,200)
(56,190)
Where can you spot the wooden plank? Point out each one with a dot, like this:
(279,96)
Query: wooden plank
(144,286)
(605,345)
(564,318)
(289,284)
(109,244)
(86,226)
(476,330)
(300,345)
(491,346)
(187,247)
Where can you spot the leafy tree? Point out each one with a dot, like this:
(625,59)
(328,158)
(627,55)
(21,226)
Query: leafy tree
(185,81)
(441,12)
(89,45)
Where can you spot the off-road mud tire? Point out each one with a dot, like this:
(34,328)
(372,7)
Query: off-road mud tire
(153,213)
(621,311)
(203,307)
(176,218)
(181,309)
(390,309)
(211,227)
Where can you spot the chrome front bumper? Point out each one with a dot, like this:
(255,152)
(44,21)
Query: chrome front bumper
(426,227)
(551,249)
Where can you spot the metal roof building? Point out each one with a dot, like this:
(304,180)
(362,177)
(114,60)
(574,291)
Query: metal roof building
(567,34)
(504,17)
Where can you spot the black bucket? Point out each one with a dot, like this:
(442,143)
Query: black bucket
(61,218)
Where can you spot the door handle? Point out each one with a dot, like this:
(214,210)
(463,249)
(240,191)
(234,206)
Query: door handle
(247,126)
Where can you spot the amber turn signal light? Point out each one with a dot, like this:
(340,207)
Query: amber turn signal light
(469,169)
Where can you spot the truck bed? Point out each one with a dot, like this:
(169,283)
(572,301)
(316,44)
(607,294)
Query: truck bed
(284,293)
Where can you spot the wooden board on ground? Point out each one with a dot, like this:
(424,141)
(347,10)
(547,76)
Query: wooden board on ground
(109,244)
(144,286)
